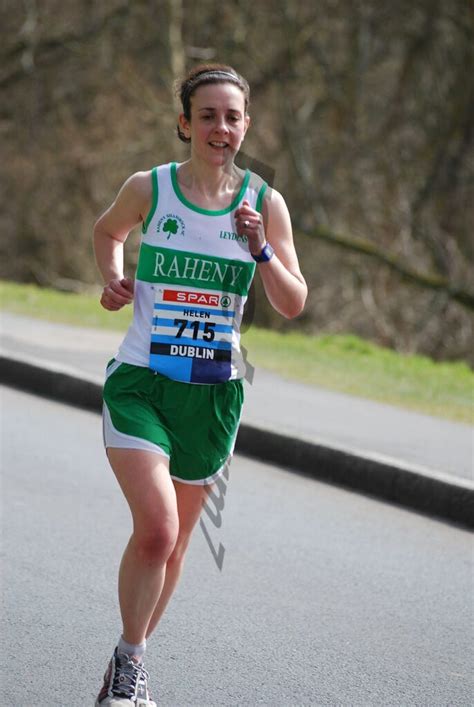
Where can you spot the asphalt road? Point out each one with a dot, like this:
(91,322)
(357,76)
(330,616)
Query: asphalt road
(360,426)
(325,597)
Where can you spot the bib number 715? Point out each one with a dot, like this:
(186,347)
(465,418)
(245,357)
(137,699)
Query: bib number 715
(208,330)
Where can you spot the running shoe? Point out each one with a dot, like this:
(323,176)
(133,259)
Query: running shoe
(125,684)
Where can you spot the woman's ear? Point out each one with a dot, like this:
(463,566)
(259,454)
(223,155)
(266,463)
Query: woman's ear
(184,125)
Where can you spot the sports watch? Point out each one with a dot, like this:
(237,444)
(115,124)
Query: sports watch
(266,254)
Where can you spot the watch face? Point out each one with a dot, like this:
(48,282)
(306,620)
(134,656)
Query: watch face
(267,252)
(265,255)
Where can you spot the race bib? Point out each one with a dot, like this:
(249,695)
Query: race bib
(191,335)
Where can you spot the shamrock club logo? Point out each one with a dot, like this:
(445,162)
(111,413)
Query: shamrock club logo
(171,225)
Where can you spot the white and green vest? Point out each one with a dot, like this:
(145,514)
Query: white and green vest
(192,281)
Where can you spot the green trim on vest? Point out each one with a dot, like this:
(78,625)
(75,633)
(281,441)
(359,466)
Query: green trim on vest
(207,212)
(261,194)
(175,267)
(154,203)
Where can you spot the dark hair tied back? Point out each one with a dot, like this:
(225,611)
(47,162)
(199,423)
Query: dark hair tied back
(207,74)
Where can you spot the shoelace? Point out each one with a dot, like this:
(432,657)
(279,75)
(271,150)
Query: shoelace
(127,674)
(143,683)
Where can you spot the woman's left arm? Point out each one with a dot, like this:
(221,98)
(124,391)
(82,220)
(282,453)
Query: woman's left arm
(283,282)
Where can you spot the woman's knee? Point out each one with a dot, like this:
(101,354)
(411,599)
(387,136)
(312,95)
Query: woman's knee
(177,556)
(155,541)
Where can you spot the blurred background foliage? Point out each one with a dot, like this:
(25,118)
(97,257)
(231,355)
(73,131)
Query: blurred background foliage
(362,115)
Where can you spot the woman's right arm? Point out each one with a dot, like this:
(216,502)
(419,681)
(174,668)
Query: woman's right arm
(110,233)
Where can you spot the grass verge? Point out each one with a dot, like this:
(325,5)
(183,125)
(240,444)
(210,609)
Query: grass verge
(347,364)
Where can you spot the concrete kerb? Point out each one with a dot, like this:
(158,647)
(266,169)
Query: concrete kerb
(433,493)
(55,382)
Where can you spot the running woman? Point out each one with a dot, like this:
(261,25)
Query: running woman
(173,394)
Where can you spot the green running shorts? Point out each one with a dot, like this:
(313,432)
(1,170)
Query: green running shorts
(194,425)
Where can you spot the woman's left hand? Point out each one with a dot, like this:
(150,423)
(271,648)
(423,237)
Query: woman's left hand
(249,223)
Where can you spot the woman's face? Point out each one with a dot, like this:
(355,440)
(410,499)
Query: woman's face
(218,122)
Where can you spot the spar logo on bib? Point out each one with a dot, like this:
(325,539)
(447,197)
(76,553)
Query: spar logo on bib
(209,299)
(170,225)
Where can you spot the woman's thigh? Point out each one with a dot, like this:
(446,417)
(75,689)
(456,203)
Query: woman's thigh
(145,481)
(190,499)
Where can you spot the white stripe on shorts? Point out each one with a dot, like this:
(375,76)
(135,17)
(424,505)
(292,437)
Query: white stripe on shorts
(112,367)
(207,480)
(114,438)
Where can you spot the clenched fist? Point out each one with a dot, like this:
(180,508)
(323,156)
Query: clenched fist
(117,293)
(249,223)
